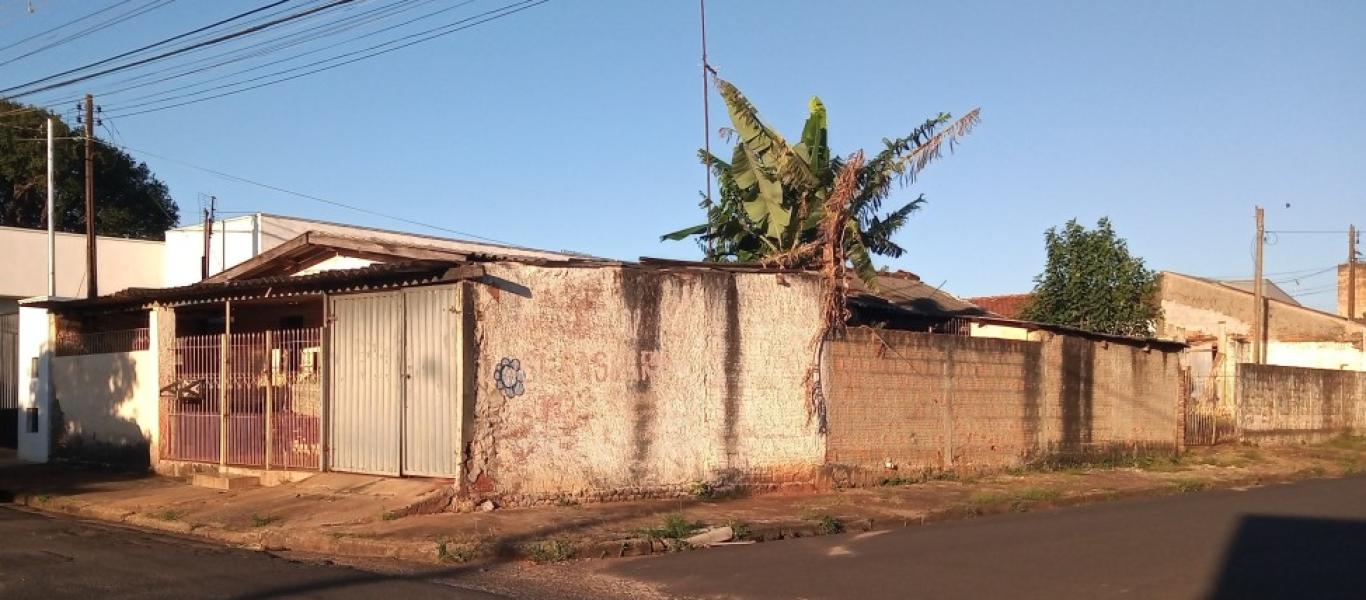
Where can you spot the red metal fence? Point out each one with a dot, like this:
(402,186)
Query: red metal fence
(264,413)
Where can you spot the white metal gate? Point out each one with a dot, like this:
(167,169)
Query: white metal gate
(366,409)
(396,382)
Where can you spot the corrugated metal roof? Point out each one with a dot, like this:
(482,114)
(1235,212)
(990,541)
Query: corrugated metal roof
(369,277)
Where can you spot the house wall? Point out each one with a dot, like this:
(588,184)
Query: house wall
(35,364)
(639,382)
(105,408)
(231,242)
(1279,404)
(1317,355)
(907,403)
(123,263)
(1193,308)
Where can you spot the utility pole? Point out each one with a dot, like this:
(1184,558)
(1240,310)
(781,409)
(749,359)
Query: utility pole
(91,272)
(1352,272)
(1259,308)
(706,120)
(51,220)
(208,236)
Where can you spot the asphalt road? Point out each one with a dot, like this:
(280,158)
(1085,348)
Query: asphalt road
(45,557)
(1304,540)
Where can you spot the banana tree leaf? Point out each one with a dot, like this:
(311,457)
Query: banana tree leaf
(815,145)
(858,255)
(767,149)
(683,234)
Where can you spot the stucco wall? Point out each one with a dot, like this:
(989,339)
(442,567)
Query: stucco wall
(123,263)
(1317,355)
(638,382)
(904,403)
(106,407)
(1194,308)
(1287,404)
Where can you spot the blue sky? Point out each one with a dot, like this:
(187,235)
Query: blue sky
(574,125)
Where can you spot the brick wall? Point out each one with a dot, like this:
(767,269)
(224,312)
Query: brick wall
(1291,404)
(901,404)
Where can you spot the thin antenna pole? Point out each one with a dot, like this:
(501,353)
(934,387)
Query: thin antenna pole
(706,119)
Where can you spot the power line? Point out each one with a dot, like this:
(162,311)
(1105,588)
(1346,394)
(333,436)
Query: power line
(268,186)
(136,12)
(450,28)
(216,40)
(63,25)
(336,27)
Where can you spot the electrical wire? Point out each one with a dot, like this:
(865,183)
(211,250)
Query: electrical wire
(449,29)
(137,12)
(164,55)
(336,28)
(64,25)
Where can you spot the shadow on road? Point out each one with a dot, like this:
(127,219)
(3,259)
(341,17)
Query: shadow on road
(1293,557)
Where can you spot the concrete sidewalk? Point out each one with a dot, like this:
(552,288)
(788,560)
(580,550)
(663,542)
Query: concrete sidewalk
(375,517)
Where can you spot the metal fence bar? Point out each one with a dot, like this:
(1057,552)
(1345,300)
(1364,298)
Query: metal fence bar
(191,421)
(296,412)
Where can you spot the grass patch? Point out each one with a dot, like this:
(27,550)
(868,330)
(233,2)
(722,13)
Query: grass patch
(1187,486)
(739,529)
(826,524)
(1018,500)
(167,515)
(258,520)
(44,499)
(674,527)
(922,477)
(449,551)
(548,551)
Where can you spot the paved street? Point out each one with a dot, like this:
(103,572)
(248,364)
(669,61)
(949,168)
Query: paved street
(46,557)
(1305,540)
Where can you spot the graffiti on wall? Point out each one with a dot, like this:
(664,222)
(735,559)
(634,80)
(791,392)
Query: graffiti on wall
(509,377)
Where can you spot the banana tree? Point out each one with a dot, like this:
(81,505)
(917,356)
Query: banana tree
(772,195)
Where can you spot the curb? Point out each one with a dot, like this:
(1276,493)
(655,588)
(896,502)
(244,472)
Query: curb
(443,551)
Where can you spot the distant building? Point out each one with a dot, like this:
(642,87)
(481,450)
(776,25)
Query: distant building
(1010,306)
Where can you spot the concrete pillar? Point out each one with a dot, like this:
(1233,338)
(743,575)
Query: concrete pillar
(36,346)
(161,332)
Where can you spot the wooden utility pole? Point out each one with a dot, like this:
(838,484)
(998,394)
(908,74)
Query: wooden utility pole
(1259,306)
(208,235)
(1351,271)
(92,287)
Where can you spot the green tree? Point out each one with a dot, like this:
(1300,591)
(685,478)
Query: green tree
(129,200)
(772,195)
(1092,282)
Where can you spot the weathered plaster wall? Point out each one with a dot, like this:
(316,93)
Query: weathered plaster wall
(609,383)
(106,407)
(903,403)
(1287,404)
(1194,308)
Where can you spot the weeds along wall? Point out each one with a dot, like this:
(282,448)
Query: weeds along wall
(1278,405)
(902,405)
(604,383)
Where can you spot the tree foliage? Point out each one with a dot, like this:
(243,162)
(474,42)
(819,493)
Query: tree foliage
(129,200)
(773,195)
(1092,282)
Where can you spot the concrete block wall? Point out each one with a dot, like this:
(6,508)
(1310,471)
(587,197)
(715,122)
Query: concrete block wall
(1278,405)
(627,382)
(901,404)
